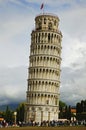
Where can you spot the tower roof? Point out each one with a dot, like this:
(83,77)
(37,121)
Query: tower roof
(47,14)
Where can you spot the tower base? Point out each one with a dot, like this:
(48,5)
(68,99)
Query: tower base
(41,113)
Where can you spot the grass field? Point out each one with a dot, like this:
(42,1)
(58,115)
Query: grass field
(45,128)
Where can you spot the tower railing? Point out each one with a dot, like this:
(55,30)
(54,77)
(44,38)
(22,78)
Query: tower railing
(50,14)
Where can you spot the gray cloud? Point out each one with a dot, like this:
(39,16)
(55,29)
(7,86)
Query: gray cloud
(73,84)
(13,84)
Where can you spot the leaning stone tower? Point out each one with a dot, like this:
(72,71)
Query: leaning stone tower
(44,70)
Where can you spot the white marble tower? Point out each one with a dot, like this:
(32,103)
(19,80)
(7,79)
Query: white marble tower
(44,70)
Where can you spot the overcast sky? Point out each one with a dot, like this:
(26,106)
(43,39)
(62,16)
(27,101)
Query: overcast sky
(16,23)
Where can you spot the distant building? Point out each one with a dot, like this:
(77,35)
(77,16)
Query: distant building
(44,70)
(73,114)
(1,119)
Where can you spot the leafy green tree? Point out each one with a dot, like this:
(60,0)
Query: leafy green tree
(78,108)
(20,112)
(69,113)
(81,106)
(65,111)
(81,110)
(8,115)
(62,106)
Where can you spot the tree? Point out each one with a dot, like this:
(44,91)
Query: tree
(69,113)
(8,115)
(78,108)
(20,112)
(65,111)
(62,106)
(81,110)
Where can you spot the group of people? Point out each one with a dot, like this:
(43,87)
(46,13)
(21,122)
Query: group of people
(3,124)
(52,123)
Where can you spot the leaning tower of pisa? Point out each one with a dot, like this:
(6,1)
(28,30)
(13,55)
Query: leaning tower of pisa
(44,70)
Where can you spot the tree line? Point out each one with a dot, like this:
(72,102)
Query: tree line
(65,112)
(81,110)
(9,115)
